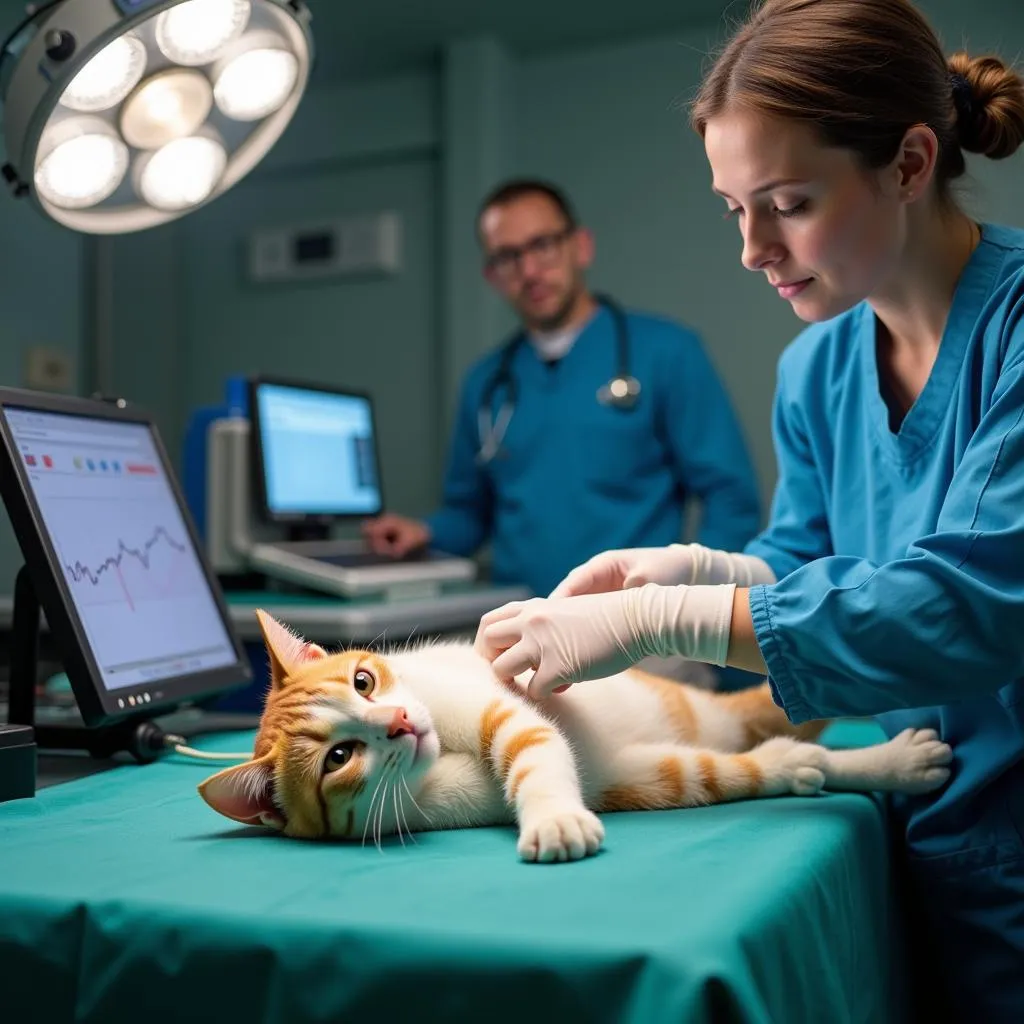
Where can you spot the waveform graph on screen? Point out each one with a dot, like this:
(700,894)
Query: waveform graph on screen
(124,558)
(132,568)
(136,581)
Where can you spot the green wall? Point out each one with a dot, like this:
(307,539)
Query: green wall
(605,122)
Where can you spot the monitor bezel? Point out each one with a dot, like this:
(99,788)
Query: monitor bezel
(97,705)
(258,464)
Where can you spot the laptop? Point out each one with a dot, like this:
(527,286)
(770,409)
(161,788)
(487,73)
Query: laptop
(315,463)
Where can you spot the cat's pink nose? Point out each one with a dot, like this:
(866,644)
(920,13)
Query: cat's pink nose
(400,725)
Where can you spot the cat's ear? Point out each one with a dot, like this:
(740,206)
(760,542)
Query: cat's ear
(245,793)
(286,649)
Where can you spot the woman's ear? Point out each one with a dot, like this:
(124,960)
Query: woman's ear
(915,162)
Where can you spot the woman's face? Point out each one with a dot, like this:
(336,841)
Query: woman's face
(826,233)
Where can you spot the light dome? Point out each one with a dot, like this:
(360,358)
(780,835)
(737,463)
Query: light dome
(121,115)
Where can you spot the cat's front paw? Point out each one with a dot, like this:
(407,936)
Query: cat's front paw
(559,832)
(920,760)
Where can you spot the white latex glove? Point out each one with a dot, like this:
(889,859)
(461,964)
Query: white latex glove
(686,564)
(566,640)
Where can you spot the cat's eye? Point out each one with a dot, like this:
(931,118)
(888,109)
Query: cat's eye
(364,682)
(340,755)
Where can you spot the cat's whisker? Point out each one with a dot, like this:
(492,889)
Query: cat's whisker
(369,811)
(398,819)
(380,823)
(373,831)
(369,818)
(378,829)
(401,807)
(378,813)
(426,817)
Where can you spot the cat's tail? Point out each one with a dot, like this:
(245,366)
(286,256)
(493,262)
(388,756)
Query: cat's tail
(763,718)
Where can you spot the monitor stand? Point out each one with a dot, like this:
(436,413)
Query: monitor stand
(140,737)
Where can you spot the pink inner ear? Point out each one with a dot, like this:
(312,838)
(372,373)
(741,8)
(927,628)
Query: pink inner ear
(289,649)
(311,652)
(243,793)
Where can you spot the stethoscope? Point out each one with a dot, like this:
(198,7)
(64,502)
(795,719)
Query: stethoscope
(621,392)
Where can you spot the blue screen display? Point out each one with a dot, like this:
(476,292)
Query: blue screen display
(319,454)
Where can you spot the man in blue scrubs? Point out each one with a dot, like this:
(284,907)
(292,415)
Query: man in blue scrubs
(890,580)
(563,474)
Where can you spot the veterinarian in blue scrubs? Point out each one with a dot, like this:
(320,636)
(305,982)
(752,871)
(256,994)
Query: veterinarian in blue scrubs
(892,571)
(590,428)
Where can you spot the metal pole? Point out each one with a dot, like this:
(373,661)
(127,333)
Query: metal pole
(103,314)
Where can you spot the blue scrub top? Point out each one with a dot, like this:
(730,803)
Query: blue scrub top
(575,477)
(901,555)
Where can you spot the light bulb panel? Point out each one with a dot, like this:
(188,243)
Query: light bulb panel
(172,104)
(182,174)
(82,161)
(197,32)
(107,78)
(32,84)
(254,77)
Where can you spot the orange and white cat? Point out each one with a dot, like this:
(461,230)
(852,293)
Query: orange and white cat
(429,738)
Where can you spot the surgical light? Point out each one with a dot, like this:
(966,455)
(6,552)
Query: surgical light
(120,115)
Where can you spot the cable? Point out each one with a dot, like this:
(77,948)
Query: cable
(178,745)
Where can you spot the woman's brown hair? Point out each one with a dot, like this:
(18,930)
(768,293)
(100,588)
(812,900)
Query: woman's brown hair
(862,72)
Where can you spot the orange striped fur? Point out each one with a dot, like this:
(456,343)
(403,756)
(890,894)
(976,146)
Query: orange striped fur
(360,744)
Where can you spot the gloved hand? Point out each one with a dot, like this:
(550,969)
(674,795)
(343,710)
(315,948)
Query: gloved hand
(566,640)
(629,567)
(687,564)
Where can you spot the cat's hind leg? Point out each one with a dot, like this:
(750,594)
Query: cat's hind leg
(649,776)
(915,761)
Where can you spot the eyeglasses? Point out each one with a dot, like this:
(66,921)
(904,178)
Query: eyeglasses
(544,249)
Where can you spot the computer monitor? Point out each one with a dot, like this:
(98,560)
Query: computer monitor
(314,451)
(112,553)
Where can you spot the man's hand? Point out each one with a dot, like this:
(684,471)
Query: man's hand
(395,535)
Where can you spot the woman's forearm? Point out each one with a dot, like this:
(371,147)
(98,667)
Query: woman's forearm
(743,650)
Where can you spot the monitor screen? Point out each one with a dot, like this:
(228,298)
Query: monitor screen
(124,556)
(316,451)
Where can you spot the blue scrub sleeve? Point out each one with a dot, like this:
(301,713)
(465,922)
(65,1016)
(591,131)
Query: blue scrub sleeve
(798,530)
(843,636)
(707,443)
(463,522)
